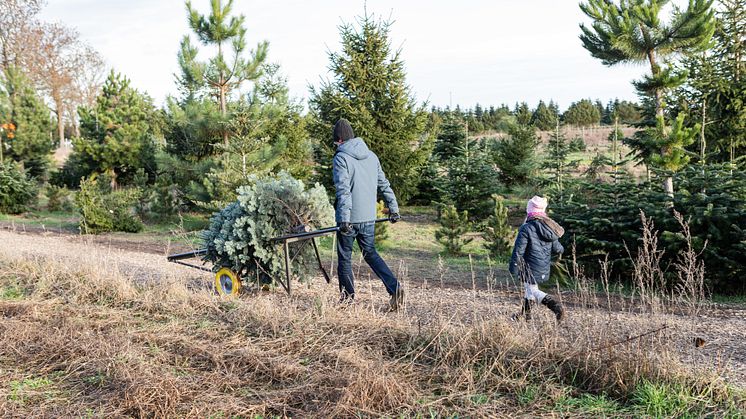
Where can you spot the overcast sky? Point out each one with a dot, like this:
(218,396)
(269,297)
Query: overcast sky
(459,52)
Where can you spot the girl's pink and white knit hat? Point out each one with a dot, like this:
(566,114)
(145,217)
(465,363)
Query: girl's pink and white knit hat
(536,204)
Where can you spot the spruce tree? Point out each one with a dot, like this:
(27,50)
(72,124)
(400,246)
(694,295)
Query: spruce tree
(522,113)
(29,142)
(633,32)
(451,139)
(117,134)
(556,161)
(715,87)
(543,117)
(615,158)
(368,88)
(471,180)
(515,156)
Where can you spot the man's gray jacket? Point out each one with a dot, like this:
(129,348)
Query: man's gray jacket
(358,178)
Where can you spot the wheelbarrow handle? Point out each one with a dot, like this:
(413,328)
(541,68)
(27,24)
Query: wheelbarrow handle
(315,233)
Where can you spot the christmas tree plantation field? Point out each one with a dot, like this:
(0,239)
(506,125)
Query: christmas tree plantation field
(90,329)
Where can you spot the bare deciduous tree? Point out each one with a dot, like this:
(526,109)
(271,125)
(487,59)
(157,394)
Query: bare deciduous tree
(89,77)
(65,69)
(16,16)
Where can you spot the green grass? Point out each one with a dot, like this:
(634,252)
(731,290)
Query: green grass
(22,391)
(11,292)
(45,219)
(186,222)
(658,400)
(183,229)
(528,394)
(729,299)
(589,404)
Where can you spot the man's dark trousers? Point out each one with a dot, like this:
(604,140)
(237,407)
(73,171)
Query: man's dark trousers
(364,233)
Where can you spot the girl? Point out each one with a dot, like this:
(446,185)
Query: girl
(537,240)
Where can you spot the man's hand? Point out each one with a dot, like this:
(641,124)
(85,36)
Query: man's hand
(345,228)
(394,217)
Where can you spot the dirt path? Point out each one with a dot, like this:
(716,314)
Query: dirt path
(723,329)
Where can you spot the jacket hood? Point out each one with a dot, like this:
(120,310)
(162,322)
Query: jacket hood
(547,229)
(356,148)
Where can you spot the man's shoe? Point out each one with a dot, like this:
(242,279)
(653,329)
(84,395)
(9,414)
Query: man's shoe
(397,300)
(346,301)
(525,311)
(555,306)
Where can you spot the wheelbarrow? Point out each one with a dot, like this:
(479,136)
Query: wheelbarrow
(229,282)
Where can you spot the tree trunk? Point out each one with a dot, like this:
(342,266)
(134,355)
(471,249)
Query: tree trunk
(224,112)
(655,70)
(60,121)
(614,160)
(113,182)
(222,89)
(60,129)
(702,143)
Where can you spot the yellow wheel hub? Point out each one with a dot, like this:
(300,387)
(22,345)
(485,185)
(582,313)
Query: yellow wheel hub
(227,283)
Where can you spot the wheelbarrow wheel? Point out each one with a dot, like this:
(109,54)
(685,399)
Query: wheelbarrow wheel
(227,283)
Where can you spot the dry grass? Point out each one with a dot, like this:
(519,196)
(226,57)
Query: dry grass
(77,341)
(90,339)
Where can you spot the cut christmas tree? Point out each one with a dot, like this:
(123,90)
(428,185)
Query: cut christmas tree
(239,236)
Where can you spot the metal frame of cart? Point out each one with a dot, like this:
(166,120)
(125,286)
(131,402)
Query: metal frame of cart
(228,282)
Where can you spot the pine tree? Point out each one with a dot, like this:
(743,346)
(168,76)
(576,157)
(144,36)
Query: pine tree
(117,134)
(193,128)
(515,156)
(677,137)
(633,32)
(369,89)
(600,108)
(498,234)
(29,141)
(266,134)
(220,76)
(453,227)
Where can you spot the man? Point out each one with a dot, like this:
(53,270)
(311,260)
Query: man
(537,240)
(358,178)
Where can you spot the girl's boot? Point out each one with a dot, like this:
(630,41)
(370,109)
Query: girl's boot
(555,306)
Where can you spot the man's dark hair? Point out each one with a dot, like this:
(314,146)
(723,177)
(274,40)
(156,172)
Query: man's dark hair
(342,131)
